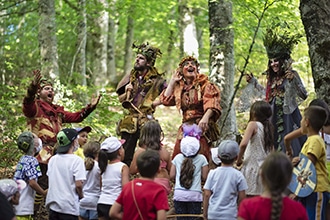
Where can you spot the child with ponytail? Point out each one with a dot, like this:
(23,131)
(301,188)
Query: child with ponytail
(92,185)
(188,169)
(276,172)
(114,174)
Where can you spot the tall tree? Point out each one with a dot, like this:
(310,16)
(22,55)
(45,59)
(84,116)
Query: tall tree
(315,17)
(100,40)
(129,39)
(222,62)
(47,38)
(112,43)
(81,42)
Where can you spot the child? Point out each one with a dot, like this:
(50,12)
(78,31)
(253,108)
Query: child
(114,173)
(92,185)
(224,186)
(142,198)
(188,169)
(28,170)
(150,138)
(256,144)
(314,148)
(82,139)
(9,195)
(276,172)
(66,173)
(324,133)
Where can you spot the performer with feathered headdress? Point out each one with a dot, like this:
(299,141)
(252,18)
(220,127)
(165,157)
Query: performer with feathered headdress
(284,89)
(138,91)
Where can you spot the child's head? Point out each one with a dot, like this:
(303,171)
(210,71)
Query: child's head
(276,172)
(148,163)
(11,189)
(83,135)
(228,151)
(323,104)
(189,147)
(28,143)
(111,149)
(314,118)
(151,135)
(260,111)
(66,138)
(91,150)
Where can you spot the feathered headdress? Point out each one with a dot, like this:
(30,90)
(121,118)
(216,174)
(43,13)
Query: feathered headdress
(279,42)
(150,52)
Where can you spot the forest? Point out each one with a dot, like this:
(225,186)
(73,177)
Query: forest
(85,48)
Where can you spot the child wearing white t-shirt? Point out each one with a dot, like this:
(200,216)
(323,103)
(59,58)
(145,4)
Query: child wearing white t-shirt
(114,174)
(66,174)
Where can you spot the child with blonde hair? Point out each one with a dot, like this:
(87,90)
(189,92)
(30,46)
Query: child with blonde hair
(92,185)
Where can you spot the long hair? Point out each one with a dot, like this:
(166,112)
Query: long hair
(150,136)
(261,111)
(91,150)
(104,157)
(187,173)
(276,172)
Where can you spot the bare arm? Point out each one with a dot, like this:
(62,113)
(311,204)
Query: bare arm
(124,175)
(133,167)
(207,195)
(288,138)
(175,78)
(205,171)
(116,211)
(34,185)
(241,196)
(161,214)
(249,132)
(79,188)
(204,122)
(172,172)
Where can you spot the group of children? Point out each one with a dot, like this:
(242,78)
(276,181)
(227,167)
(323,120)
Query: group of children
(99,186)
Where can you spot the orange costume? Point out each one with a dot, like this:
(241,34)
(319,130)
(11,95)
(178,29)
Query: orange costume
(194,101)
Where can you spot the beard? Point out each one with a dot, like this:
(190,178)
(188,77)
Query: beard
(140,68)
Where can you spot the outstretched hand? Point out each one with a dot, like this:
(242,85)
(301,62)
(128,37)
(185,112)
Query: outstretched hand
(248,77)
(177,76)
(95,101)
(37,78)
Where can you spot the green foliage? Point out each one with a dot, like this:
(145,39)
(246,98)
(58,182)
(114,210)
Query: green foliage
(13,122)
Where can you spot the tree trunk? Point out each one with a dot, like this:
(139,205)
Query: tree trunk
(315,17)
(112,75)
(47,38)
(81,43)
(2,44)
(129,41)
(100,45)
(222,64)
